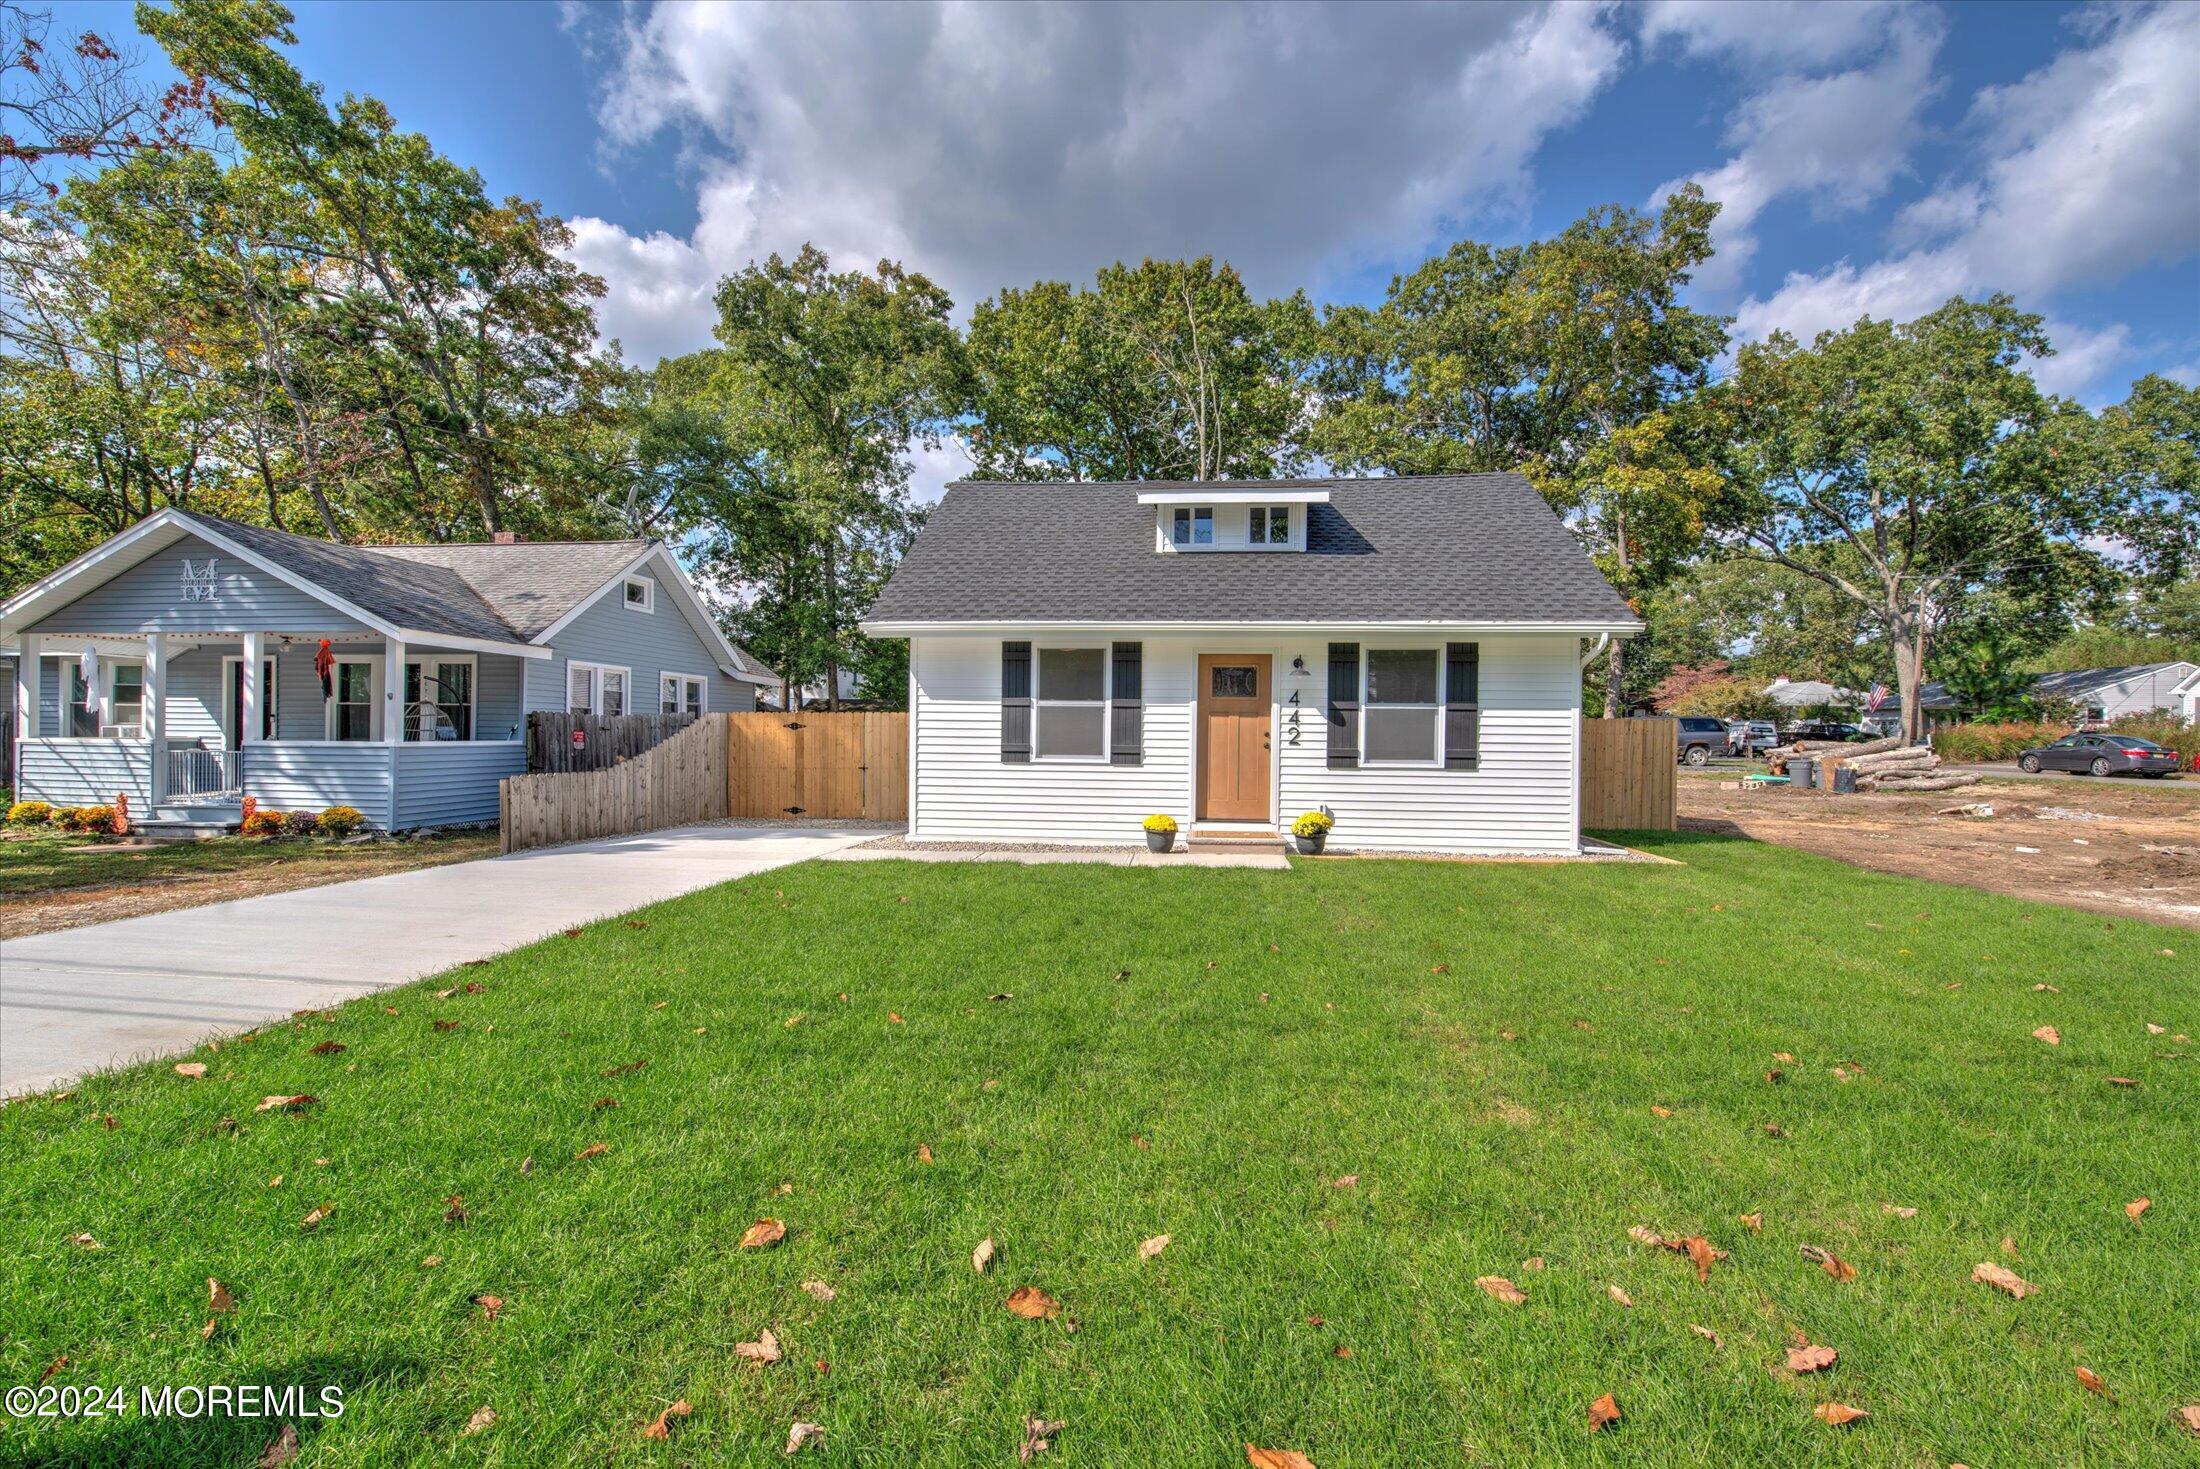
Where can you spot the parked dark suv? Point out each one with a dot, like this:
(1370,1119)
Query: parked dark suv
(1700,737)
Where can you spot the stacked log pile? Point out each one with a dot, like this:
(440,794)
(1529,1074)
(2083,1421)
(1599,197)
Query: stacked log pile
(1880,765)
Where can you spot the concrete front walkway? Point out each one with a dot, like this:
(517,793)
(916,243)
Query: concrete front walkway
(85,999)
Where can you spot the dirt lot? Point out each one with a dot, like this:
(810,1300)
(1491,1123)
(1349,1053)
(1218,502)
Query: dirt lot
(48,882)
(2119,847)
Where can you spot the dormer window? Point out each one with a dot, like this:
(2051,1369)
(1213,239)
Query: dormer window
(1270,525)
(1194,526)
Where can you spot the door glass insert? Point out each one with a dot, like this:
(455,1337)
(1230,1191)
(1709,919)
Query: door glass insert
(1226,682)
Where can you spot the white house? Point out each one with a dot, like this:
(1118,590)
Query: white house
(1404,653)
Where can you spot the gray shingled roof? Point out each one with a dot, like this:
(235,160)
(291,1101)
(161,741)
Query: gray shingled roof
(1478,548)
(530,584)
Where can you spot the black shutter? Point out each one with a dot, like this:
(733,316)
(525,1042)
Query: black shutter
(1344,706)
(1462,706)
(1015,703)
(1127,738)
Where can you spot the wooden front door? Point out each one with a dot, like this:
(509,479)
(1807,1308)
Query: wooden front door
(1234,713)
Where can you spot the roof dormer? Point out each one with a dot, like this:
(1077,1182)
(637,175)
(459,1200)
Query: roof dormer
(1219,519)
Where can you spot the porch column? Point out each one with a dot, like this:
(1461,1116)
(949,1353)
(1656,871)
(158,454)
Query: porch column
(249,692)
(393,691)
(155,694)
(29,653)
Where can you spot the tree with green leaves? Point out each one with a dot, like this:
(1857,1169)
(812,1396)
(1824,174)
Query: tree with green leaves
(1907,467)
(1165,370)
(833,376)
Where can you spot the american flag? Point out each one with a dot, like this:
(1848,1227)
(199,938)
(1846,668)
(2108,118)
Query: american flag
(1877,698)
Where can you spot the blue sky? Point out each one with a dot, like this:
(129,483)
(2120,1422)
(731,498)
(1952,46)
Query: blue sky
(1873,157)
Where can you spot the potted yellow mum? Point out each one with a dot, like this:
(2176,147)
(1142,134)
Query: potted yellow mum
(1160,833)
(1310,831)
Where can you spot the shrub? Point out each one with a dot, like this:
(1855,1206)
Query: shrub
(29,813)
(339,821)
(88,818)
(1313,824)
(301,823)
(264,823)
(1159,823)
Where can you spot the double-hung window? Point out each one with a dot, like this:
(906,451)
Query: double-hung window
(126,695)
(1404,704)
(439,699)
(680,693)
(1270,525)
(351,711)
(1192,525)
(595,688)
(1072,704)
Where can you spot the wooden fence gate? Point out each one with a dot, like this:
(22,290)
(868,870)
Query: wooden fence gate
(1628,774)
(834,766)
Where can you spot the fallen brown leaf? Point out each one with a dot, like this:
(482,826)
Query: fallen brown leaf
(455,1213)
(1603,1413)
(1986,1272)
(1033,1304)
(1657,1111)
(483,1417)
(764,1350)
(1706,1333)
(1502,1289)
(1147,1249)
(1277,1458)
(527,1166)
(1784,1056)
(1532,1264)
(1837,1413)
(490,1305)
(281,1449)
(2008,1247)
(1038,1434)
(315,1215)
(1619,1295)
(892,1018)
(1899,1211)
(84,1242)
(2123,1081)
(1701,1252)
(1643,1234)
(1811,1359)
(2136,1207)
(802,1435)
(2188,1415)
(2091,1382)
(818,1290)
(1828,1261)
(296,1103)
(2049,1034)
(982,1256)
(1350,1180)
(622,1070)
(762,1234)
(330,1048)
(1754,1223)
(430,1262)
(192,1069)
(660,1427)
(218,1297)
(206,1332)
(2153,1029)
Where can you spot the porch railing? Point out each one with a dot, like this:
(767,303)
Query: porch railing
(202,775)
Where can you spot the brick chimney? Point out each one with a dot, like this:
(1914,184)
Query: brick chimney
(504,538)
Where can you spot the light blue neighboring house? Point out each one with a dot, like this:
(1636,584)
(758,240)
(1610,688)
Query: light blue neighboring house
(176,664)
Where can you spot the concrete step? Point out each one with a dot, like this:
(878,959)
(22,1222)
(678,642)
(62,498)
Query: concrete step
(198,811)
(1234,839)
(164,827)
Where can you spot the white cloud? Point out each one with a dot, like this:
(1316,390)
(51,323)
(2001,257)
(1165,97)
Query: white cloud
(932,470)
(2092,171)
(1769,32)
(991,146)
(1840,140)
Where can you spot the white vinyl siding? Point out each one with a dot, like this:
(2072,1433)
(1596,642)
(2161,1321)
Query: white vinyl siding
(1521,800)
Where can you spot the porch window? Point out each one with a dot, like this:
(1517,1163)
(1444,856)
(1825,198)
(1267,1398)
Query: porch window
(1398,719)
(126,695)
(351,712)
(680,693)
(78,707)
(1072,704)
(439,699)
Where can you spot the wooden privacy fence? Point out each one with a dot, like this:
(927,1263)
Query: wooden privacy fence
(840,765)
(1628,774)
(606,739)
(683,779)
(790,766)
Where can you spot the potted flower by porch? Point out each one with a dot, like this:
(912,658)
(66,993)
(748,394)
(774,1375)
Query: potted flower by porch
(1310,831)
(1160,833)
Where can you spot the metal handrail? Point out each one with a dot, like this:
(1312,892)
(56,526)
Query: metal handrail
(200,774)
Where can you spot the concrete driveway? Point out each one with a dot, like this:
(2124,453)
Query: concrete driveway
(87,999)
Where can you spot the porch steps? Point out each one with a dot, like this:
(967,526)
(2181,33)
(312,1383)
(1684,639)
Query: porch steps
(1233,838)
(188,822)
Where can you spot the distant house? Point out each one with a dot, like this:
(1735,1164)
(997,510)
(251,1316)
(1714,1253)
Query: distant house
(2102,694)
(191,660)
(1404,652)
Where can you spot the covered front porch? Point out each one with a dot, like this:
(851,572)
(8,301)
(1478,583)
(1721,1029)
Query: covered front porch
(185,724)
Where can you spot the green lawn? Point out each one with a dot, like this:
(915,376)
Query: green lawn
(39,861)
(1197,1053)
